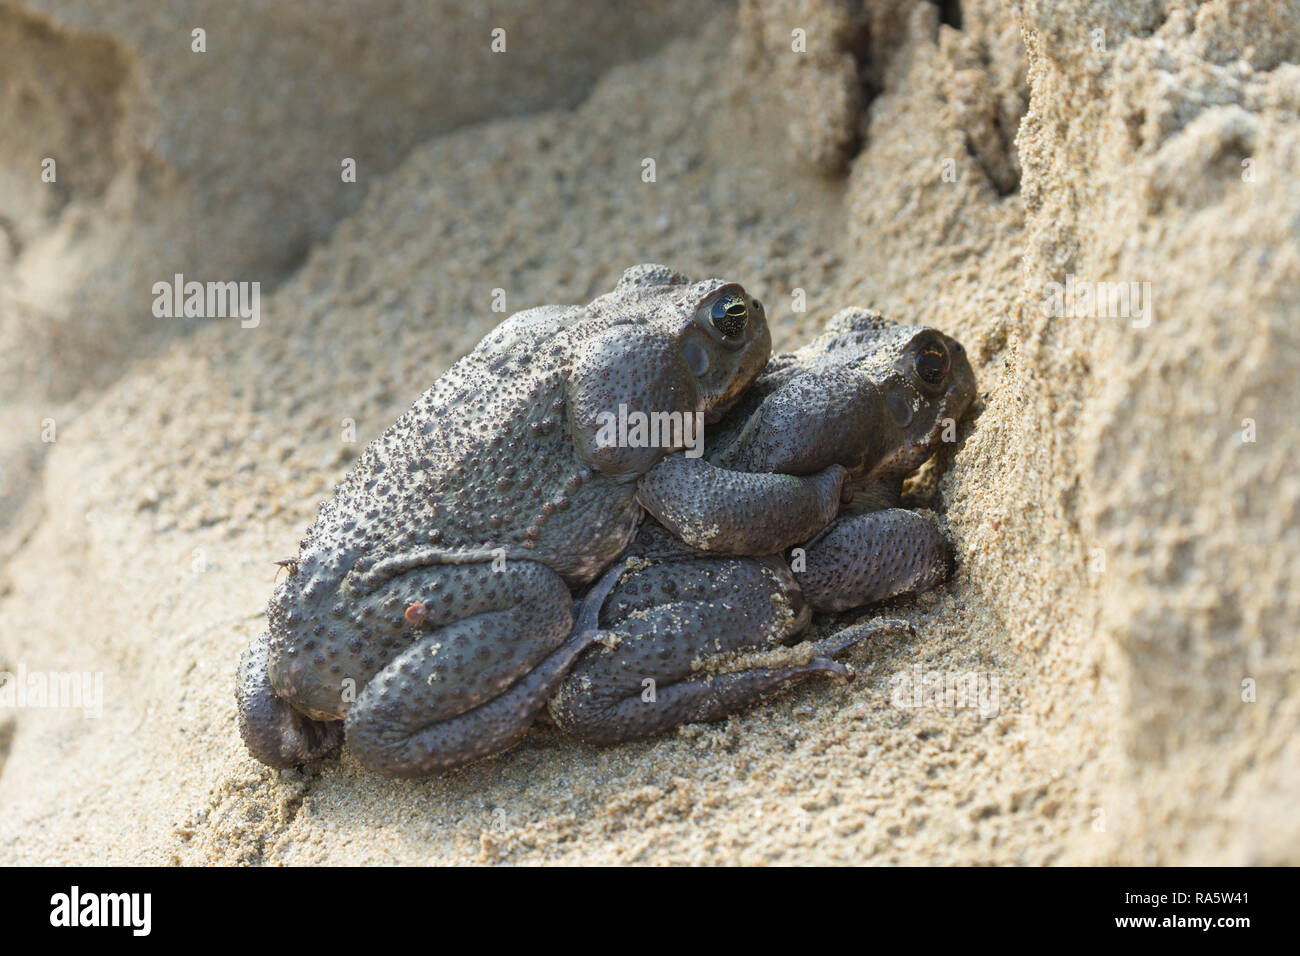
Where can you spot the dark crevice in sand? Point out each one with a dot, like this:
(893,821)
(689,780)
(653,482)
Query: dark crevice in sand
(950,12)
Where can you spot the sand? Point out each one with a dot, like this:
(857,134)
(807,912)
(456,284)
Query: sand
(1124,611)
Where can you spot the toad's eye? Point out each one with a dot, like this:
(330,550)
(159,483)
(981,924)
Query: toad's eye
(932,362)
(728,314)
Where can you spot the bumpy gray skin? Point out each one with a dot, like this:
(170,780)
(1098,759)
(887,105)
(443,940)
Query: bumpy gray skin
(428,609)
(853,397)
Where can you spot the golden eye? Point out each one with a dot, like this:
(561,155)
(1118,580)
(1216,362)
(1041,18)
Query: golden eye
(932,362)
(729,314)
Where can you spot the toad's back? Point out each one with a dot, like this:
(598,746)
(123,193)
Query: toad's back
(483,461)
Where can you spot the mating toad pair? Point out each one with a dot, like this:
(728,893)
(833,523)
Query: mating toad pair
(430,613)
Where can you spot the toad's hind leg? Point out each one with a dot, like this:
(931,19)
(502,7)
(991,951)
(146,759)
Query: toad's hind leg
(274,732)
(387,738)
(474,679)
(607,719)
(672,620)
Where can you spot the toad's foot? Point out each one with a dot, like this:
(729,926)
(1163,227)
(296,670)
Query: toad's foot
(276,733)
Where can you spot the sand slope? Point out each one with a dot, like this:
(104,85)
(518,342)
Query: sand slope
(1126,560)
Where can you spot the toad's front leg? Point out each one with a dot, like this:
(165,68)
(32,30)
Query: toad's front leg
(863,558)
(736,512)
